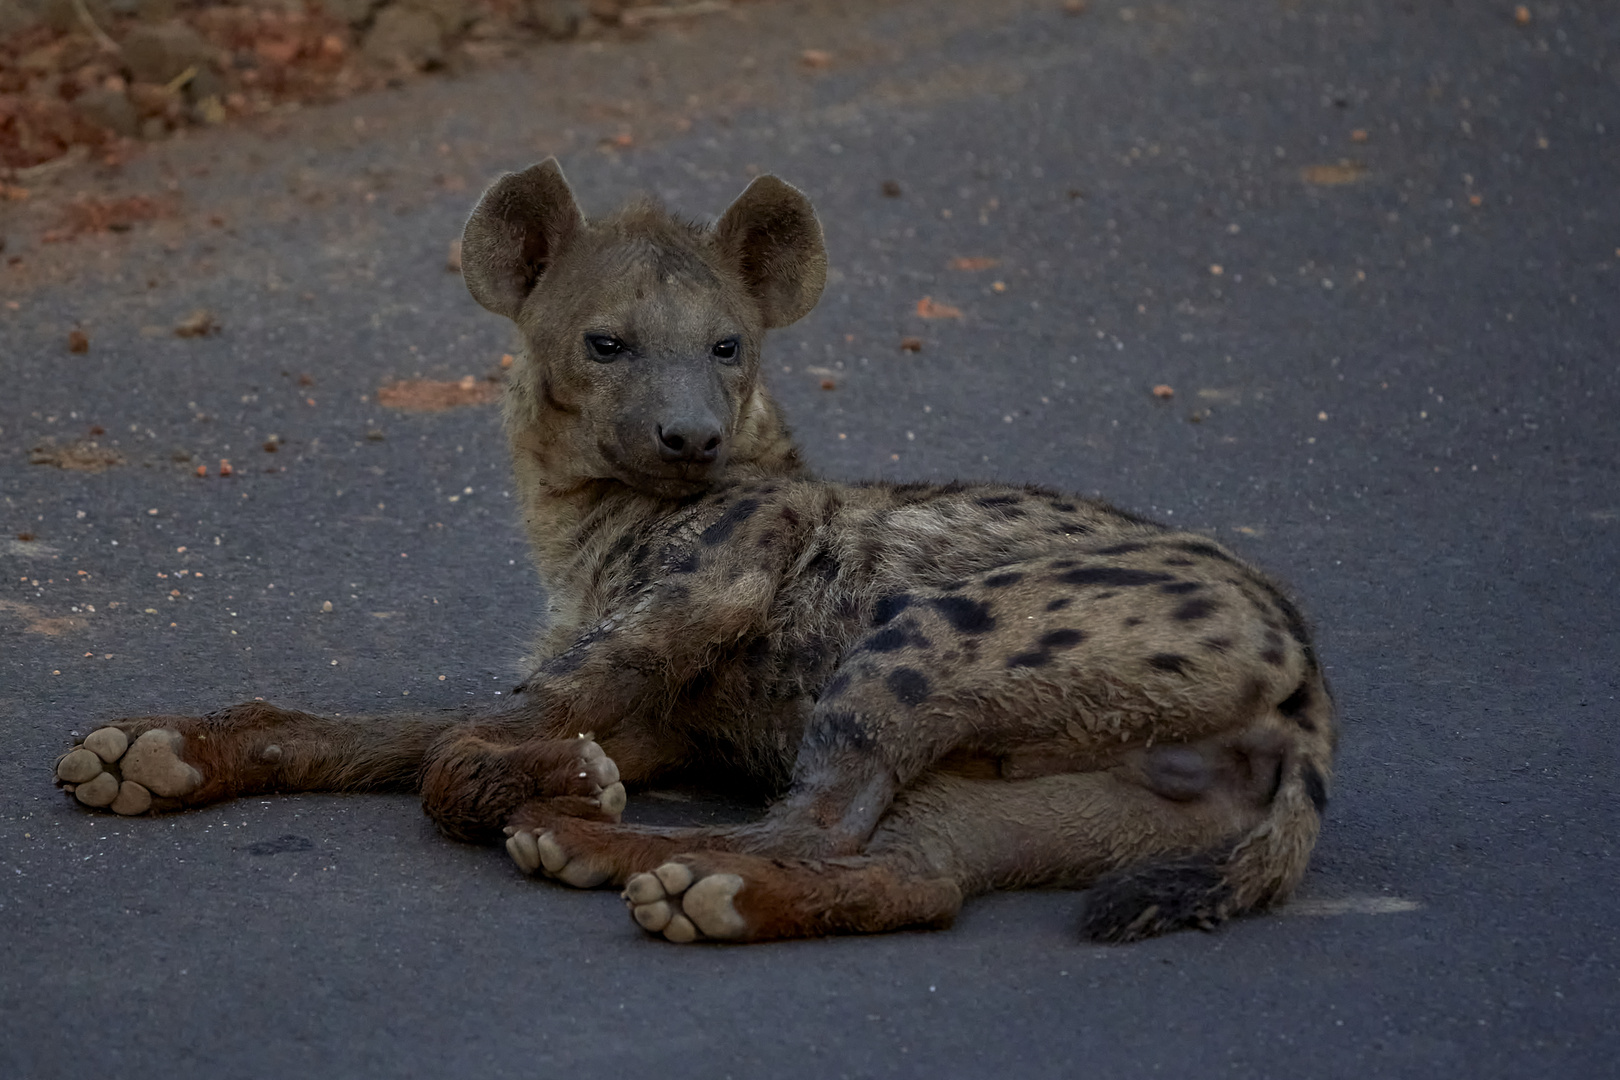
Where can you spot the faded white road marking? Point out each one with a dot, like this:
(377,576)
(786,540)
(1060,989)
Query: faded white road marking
(1352,905)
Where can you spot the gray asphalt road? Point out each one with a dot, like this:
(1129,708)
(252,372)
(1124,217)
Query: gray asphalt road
(1374,249)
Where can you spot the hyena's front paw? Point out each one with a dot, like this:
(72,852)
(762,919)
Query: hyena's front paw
(686,906)
(110,771)
(598,771)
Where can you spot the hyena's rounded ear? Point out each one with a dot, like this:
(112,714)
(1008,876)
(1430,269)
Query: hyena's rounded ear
(516,232)
(771,235)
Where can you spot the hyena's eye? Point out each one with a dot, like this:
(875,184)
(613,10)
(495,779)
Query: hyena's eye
(605,347)
(725,350)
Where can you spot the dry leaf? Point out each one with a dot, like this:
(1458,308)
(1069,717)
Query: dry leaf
(927,309)
(1163,392)
(78,341)
(911,344)
(973,262)
(816,58)
(429,395)
(1345,172)
(452,258)
(199,323)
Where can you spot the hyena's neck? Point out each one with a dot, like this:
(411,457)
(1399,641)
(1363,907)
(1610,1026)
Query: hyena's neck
(571,520)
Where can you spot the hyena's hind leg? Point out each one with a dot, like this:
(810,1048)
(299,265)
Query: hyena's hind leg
(948,837)
(945,838)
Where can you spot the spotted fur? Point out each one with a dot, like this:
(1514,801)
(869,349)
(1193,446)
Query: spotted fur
(946,688)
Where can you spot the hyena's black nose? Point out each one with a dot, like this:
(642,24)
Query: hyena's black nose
(691,440)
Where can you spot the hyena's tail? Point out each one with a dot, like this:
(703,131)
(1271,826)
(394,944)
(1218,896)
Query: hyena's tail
(1259,869)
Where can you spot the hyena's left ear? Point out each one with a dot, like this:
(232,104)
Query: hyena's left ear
(520,226)
(771,235)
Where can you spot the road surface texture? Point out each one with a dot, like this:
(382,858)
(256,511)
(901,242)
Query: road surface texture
(1373,249)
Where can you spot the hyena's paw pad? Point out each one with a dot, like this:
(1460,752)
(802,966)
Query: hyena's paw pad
(601,774)
(683,907)
(542,852)
(109,771)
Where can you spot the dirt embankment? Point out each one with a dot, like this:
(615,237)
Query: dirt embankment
(82,78)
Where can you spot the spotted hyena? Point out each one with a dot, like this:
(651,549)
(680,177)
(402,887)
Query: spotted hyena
(948,688)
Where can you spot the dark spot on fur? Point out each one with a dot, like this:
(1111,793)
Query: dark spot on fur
(1132,620)
(1178,561)
(1065,638)
(966,615)
(825,566)
(1315,787)
(1062,564)
(908,685)
(1217,644)
(838,729)
(1199,607)
(888,607)
(621,547)
(1274,657)
(998,500)
(1001,581)
(1063,507)
(1204,548)
(737,513)
(1060,603)
(1111,575)
(1030,659)
(790,516)
(1294,705)
(685,563)
(1174,663)
(888,639)
(1122,549)
(1176,588)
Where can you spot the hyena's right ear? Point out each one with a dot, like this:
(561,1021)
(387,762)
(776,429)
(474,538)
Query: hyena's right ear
(517,230)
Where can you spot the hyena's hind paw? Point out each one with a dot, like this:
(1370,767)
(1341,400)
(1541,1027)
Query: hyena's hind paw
(109,771)
(683,907)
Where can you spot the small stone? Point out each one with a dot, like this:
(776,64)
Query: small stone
(79,766)
(78,341)
(159,54)
(675,877)
(404,37)
(99,792)
(109,743)
(654,917)
(680,930)
(557,19)
(644,889)
(326,606)
(132,799)
(271,754)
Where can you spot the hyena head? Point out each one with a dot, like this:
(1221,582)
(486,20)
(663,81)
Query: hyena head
(641,332)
